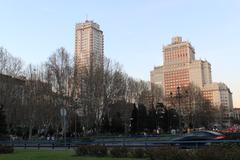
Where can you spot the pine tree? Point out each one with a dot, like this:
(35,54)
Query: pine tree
(134,120)
(105,124)
(117,124)
(142,117)
(152,119)
(3,124)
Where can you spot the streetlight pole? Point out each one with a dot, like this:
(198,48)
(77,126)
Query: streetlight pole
(178,97)
(179,108)
(63,113)
(64,125)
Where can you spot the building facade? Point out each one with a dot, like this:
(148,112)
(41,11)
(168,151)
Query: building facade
(236,114)
(89,56)
(156,76)
(221,97)
(88,46)
(180,69)
(89,59)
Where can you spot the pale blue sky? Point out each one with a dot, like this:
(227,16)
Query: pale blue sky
(134,30)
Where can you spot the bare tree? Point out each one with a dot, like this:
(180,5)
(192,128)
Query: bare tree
(195,110)
(61,77)
(61,72)
(157,93)
(10,65)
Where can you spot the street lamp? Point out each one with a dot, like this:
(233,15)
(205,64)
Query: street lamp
(178,97)
(63,113)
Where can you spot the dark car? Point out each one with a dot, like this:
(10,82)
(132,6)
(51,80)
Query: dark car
(196,139)
(209,135)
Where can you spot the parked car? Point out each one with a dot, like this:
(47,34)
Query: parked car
(232,136)
(197,138)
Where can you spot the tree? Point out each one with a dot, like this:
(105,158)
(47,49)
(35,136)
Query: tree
(114,82)
(125,110)
(173,119)
(162,116)
(37,100)
(134,120)
(89,92)
(117,125)
(204,115)
(157,93)
(33,96)
(152,119)
(197,111)
(59,67)
(142,118)
(10,65)
(105,127)
(3,125)
(60,75)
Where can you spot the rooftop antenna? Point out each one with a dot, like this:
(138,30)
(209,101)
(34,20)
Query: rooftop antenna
(86,17)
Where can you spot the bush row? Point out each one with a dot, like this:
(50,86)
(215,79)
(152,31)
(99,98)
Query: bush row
(91,150)
(102,151)
(210,153)
(219,152)
(4,149)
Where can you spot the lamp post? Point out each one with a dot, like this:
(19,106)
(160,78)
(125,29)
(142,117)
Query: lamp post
(63,113)
(178,97)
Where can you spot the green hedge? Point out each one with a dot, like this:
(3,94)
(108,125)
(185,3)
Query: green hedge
(91,150)
(215,152)
(168,153)
(138,153)
(4,149)
(119,152)
(220,152)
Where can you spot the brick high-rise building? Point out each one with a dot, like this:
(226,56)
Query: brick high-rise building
(89,59)
(89,55)
(180,69)
(88,46)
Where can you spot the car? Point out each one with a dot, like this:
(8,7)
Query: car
(213,135)
(197,138)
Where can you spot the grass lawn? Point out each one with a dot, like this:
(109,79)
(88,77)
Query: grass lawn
(21,154)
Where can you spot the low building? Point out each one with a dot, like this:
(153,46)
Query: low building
(236,114)
(221,97)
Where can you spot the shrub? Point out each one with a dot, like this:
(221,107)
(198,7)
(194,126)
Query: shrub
(169,153)
(218,152)
(82,150)
(209,154)
(91,150)
(119,152)
(97,150)
(4,149)
(87,139)
(137,153)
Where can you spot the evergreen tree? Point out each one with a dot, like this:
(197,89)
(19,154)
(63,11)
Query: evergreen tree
(117,124)
(3,124)
(162,117)
(134,120)
(105,124)
(173,119)
(152,119)
(142,117)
